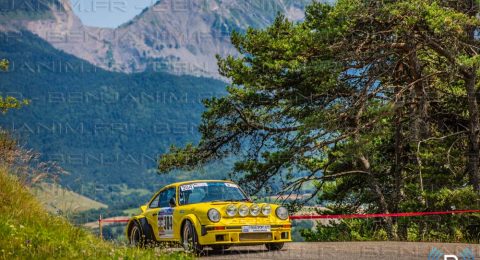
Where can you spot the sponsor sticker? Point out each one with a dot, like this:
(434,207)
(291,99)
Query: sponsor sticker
(186,187)
(231,185)
(165,211)
(193,186)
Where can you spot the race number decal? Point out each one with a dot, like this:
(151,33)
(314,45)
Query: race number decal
(165,223)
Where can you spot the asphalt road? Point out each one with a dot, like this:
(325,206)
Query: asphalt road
(350,251)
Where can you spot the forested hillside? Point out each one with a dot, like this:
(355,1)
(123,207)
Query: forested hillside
(105,128)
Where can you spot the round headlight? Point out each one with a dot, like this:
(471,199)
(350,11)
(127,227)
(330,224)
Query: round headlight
(254,210)
(266,209)
(243,210)
(214,215)
(282,213)
(231,210)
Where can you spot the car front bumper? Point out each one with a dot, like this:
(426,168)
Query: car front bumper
(228,235)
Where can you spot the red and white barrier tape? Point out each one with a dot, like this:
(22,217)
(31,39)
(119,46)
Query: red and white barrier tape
(385,215)
(343,216)
(118,220)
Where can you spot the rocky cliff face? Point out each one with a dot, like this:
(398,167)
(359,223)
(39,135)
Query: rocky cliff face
(177,36)
(65,31)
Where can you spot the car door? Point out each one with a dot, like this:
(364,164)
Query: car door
(165,221)
(160,214)
(152,214)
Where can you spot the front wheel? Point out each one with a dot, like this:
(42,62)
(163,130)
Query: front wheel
(274,246)
(136,237)
(190,239)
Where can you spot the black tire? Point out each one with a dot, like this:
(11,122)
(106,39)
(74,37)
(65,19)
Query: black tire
(190,239)
(136,236)
(274,246)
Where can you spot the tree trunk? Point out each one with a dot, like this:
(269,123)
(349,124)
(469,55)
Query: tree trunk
(420,110)
(382,202)
(473,134)
(398,173)
(398,156)
(365,163)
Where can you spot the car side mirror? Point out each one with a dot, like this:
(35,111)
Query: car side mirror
(143,208)
(172,202)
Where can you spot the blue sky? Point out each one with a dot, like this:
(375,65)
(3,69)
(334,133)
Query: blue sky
(108,13)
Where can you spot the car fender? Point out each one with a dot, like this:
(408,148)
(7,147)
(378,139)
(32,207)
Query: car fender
(196,223)
(129,226)
(147,229)
(144,225)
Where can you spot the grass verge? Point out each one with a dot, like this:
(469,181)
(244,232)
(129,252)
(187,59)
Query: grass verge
(27,231)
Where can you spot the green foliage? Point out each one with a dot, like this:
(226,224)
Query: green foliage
(4,65)
(8,103)
(454,229)
(374,102)
(187,156)
(27,231)
(346,230)
(461,228)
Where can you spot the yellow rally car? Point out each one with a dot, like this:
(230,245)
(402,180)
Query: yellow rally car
(216,214)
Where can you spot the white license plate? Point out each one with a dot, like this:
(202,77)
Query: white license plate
(250,229)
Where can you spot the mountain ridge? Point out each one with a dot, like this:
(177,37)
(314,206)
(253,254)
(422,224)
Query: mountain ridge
(166,36)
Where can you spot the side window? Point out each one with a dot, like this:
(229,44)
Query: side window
(154,203)
(165,197)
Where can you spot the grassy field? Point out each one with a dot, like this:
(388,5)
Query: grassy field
(132,212)
(55,198)
(27,231)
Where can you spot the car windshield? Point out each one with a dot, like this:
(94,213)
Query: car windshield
(210,191)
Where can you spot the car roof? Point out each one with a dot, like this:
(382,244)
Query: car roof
(177,184)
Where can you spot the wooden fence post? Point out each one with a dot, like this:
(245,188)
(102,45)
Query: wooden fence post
(100,227)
